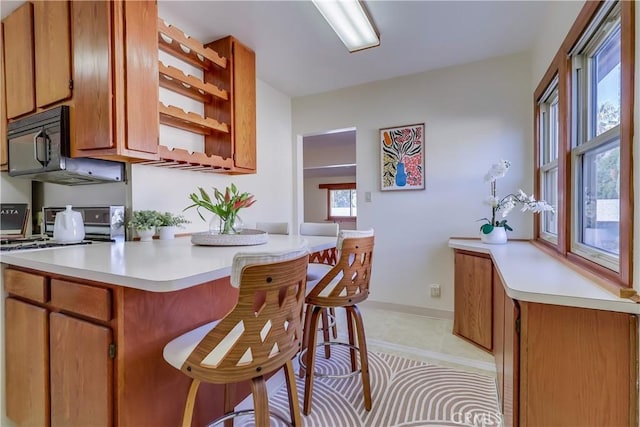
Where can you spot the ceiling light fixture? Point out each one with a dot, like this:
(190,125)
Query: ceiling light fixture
(350,21)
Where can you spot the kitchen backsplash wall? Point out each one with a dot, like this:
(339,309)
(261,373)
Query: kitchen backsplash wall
(85,195)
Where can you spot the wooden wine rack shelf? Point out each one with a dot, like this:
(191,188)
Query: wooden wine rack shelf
(192,122)
(177,44)
(174,79)
(178,158)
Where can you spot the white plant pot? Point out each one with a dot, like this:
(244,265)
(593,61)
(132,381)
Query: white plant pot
(498,236)
(146,235)
(167,232)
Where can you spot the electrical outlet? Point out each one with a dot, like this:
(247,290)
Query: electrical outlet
(435,290)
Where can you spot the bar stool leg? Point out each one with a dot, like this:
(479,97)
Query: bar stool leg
(334,328)
(191,401)
(229,395)
(294,405)
(260,401)
(325,332)
(352,341)
(364,359)
(305,336)
(311,357)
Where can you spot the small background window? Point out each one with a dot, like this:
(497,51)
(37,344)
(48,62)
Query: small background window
(341,200)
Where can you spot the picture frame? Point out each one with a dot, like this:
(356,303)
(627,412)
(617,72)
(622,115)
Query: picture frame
(14,218)
(402,153)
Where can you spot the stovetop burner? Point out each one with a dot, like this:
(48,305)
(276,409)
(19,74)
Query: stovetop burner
(35,243)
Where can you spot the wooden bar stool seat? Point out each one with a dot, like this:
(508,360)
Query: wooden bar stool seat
(260,335)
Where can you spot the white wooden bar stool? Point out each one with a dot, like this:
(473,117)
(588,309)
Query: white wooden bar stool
(344,285)
(260,335)
(273,227)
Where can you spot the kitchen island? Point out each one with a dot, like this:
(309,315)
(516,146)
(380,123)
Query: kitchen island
(85,327)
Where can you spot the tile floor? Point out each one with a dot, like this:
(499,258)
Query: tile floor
(421,338)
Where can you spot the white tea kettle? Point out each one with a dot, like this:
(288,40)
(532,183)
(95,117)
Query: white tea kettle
(68,226)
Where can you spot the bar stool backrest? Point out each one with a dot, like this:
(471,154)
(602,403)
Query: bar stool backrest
(347,283)
(264,329)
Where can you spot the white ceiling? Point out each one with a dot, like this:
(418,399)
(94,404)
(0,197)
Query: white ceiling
(298,53)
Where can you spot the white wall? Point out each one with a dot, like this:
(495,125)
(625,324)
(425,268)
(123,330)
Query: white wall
(475,115)
(553,30)
(165,189)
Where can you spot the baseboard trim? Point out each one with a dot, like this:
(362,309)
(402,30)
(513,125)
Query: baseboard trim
(409,309)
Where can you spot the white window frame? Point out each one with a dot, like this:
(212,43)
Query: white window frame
(548,160)
(351,208)
(605,23)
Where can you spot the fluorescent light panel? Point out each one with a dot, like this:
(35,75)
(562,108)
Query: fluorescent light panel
(349,20)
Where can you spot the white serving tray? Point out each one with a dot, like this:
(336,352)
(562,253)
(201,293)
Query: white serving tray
(246,237)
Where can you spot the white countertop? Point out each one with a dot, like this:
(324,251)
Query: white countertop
(531,275)
(157,266)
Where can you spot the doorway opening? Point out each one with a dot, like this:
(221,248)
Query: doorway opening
(329,178)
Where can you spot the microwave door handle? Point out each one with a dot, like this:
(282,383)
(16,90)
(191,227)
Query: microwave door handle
(41,138)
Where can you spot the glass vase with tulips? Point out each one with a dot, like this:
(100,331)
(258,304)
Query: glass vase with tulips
(225,206)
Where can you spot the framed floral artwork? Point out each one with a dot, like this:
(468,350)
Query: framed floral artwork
(402,158)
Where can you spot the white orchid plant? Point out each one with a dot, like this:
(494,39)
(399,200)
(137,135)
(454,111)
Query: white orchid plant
(501,207)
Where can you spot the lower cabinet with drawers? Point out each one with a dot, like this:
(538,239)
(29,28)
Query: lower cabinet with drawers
(59,344)
(84,353)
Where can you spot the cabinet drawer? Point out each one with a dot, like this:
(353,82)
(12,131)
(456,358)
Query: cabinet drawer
(26,285)
(86,300)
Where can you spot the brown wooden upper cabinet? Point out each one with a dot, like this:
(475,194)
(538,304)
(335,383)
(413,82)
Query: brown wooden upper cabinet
(52,52)
(239,79)
(100,58)
(115,62)
(37,57)
(18,55)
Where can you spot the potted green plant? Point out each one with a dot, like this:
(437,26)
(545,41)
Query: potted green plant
(145,223)
(167,223)
(225,207)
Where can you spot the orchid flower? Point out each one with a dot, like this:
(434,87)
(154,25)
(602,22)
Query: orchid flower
(506,204)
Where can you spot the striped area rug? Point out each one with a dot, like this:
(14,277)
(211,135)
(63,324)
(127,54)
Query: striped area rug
(405,393)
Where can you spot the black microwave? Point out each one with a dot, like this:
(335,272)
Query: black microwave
(39,149)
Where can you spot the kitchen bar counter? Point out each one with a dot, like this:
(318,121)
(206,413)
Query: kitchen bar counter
(531,275)
(85,327)
(157,266)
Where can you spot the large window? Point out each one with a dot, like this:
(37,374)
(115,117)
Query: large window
(595,152)
(584,115)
